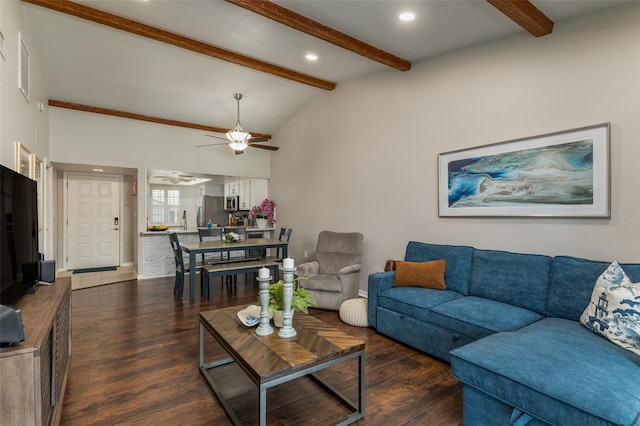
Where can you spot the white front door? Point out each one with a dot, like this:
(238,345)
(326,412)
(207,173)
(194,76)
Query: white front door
(93,220)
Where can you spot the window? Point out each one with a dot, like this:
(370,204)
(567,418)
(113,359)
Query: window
(165,206)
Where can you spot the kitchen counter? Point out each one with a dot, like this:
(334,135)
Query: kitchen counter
(157,256)
(195,230)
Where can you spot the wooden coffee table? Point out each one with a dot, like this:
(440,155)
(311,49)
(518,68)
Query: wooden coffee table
(271,360)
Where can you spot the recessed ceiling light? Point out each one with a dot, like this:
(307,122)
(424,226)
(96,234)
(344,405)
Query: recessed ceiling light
(98,170)
(407,16)
(311,57)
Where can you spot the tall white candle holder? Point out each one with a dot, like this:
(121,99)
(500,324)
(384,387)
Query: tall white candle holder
(288,269)
(264,329)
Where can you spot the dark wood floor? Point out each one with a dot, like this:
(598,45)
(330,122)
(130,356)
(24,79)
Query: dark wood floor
(135,362)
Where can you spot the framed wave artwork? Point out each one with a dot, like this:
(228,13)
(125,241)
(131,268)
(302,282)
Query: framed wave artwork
(558,174)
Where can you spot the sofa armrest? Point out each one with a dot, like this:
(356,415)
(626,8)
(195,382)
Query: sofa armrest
(378,282)
(349,269)
(308,268)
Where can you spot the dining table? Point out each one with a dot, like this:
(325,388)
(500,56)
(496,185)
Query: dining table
(200,247)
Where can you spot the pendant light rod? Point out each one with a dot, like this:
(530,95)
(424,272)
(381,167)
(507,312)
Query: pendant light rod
(237,97)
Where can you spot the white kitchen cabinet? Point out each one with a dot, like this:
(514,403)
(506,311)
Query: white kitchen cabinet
(230,189)
(244,188)
(259,191)
(251,192)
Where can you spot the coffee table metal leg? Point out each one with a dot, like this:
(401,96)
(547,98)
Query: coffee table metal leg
(361,391)
(216,390)
(262,410)
(358,409)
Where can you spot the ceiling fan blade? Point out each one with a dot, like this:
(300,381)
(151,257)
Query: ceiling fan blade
(267,147)
(217,137)
(212,144)
(257,139)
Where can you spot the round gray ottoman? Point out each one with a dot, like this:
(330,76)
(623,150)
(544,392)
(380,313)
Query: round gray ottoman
(354,312)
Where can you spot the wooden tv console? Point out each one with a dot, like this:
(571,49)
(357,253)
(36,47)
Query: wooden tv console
(33,374)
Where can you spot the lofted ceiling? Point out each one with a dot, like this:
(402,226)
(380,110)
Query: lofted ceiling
(183,60)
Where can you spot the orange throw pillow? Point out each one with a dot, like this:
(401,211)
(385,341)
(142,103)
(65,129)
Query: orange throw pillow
(421,274)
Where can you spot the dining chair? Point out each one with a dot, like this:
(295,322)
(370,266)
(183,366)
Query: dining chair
(241,231)
(181,267)
(232,280)
(210,234)
(284,233)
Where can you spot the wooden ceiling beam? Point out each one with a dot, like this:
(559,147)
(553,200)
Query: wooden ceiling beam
(313,28)
(140,29)
(525,14)
(149,118)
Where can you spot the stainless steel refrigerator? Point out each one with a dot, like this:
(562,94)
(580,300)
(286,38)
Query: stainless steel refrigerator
(210,208)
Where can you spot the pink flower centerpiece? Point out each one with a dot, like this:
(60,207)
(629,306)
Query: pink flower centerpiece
(263,211)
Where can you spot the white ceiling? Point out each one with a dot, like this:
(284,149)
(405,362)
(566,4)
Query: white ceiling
(91,64)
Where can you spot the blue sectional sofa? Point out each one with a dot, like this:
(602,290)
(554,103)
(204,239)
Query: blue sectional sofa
(509,325)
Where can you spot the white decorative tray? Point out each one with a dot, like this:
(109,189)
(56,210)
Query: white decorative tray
(250,315)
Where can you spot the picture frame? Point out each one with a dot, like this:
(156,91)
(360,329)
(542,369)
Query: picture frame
(562,174)
(24,73)
(23,161)
(38,175)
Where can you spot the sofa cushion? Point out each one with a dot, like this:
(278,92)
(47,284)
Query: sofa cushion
(458,258)
(572,281)
(614,309)
(415,302)
(421,274)
(556,370)
(419,334)
(514,278)
(476,317)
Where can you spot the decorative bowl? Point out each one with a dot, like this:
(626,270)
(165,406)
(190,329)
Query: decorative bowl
(250,315)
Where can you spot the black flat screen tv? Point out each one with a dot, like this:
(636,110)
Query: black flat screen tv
(18,235)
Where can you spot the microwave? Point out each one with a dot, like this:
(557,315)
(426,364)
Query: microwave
(231,203)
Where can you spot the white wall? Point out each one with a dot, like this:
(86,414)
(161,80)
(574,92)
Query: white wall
(20,119)
(364,157)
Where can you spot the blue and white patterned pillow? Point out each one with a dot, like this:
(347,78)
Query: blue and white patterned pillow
(614,310)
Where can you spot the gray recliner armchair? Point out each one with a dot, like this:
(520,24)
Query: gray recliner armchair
(335,274)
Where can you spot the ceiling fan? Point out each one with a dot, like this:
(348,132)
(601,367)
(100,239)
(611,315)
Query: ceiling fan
(175,179)
(238,139)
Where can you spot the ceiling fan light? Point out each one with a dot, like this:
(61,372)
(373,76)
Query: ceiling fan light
(238,145)
(237,134)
